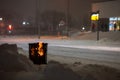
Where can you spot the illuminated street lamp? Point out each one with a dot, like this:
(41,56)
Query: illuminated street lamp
(37,17)
(10,29)
(67,16)
(1,19)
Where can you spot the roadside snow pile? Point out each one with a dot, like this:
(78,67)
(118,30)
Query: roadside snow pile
(110,36)
(98,72)
(11,61)
(113,36)
(15,66)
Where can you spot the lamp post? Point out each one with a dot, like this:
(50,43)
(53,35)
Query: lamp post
(67,16)
(37,17)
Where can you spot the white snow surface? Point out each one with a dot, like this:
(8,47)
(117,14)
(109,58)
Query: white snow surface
(108,41)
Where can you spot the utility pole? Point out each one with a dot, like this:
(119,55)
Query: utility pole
(67,16)
(37,17)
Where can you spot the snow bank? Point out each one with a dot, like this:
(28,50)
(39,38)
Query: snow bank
(113,36)
(15,66)
(11,61)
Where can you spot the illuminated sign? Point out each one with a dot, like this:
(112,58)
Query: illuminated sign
(38,52)
(95,17)
(114,18)
(118,18)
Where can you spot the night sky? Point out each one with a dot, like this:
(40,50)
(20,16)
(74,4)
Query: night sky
(27,8)
(23,7)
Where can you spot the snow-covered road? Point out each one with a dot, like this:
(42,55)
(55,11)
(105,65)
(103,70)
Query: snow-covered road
(84,44)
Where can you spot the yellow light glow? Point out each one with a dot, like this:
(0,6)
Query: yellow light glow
(95,17)
(40,49)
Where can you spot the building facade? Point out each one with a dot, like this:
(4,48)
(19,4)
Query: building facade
(109,13)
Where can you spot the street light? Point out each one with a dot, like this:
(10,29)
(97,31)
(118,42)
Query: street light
(10,28)
(37,17)
(1,19)
(67,16)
